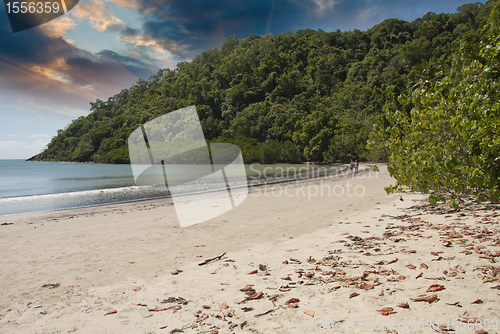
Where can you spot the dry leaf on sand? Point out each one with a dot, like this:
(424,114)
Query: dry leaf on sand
(435,287)
(430,299)
(309,313)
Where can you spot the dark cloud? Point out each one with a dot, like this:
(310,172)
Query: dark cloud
(137,67)
(129,32)
(41,71)
(188,27)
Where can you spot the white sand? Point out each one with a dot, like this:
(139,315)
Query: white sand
(95,259)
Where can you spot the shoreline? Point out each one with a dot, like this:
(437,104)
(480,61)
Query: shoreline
(252,177)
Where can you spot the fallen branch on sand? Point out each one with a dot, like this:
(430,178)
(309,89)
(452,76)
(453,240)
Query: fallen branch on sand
(211,260)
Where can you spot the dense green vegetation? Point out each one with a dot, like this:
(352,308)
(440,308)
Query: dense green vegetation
(445,140)
(308,95)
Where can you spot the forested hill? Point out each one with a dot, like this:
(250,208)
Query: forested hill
(308,95)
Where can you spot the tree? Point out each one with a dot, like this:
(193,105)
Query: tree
(448,144)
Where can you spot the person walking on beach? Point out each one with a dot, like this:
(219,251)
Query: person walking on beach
(356,166)
(351,165)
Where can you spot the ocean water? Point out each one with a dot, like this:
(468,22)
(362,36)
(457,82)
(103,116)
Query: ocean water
(32,186)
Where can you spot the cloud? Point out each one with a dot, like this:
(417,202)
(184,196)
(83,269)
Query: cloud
(22,149)
(127,3)
(41,70)
(135,66)
(324,6)
(98,16)
(58,28)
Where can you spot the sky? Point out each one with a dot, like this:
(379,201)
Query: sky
(50,73)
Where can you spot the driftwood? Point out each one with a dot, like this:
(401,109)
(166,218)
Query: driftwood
(211,260)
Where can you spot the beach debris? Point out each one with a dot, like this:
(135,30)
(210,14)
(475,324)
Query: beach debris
(477,301)
(264,313)
(262,267)
(163,327)
(403,305)
(309,313)
(178,300)
(440,328)
(247,288)
(212,259)
(423,265)
(111,312)
(202,317)
(386,309)
(247,309)
(354,294)
(51,285)
(430,299)
(470,320)
(137,289)
(174,307)
(257,295)
(292,302)
(385,313)
(180,330)
(435,287)
(223,306)
(273,297)
(253,272)
(390,331)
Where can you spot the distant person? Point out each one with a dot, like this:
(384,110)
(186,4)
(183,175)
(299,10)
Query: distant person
(356,166)
(351,165)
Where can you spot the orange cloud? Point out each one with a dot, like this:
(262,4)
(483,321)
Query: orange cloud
(58,28)
(127,3)
(97,15)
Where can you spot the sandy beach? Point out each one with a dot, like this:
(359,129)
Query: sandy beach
(333,254)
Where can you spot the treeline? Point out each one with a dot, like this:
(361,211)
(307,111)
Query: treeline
(443,139)
(308,95)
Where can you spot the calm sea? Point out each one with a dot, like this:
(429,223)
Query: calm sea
(29,186)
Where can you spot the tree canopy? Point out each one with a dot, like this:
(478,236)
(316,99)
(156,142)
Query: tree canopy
(290,97)
(445,139)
